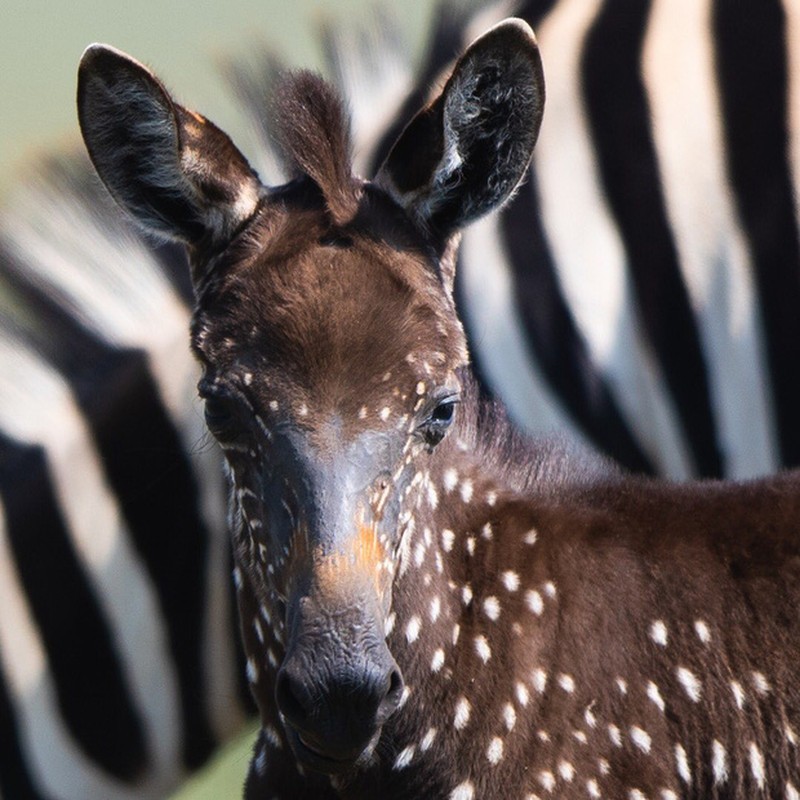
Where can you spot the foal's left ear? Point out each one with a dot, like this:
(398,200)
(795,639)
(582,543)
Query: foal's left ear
(465,153)
(175,172)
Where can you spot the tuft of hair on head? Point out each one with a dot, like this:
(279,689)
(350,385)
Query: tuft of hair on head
(313,131)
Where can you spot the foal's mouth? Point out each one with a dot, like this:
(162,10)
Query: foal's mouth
(312,756)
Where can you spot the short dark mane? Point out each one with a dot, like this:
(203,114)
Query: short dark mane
(544,466)
(313,126)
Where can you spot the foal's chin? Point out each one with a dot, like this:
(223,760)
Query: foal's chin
(328,761)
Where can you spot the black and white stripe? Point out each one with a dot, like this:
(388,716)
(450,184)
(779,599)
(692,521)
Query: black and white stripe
(639,293)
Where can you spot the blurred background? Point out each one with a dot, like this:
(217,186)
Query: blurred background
(41,42)
(184,43)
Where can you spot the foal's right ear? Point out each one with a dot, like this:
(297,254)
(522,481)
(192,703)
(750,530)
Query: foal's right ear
(174,171)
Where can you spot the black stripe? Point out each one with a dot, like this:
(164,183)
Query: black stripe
(751,63)
(91,690)
(15,779)
(175,265)
(151,476)
(619,119)
(554,337)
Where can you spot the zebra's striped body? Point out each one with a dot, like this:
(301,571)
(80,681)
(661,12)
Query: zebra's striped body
(117,644)
(661,200)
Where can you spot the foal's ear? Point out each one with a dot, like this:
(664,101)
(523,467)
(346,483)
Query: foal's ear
(468,150)
(177,173)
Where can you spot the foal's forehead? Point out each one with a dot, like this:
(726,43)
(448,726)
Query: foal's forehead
(317,307)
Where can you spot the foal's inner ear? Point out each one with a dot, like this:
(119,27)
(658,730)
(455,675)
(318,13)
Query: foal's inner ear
(465,153)
(174,171)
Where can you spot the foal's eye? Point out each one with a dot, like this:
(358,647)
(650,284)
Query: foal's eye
(220,417)
(440,419)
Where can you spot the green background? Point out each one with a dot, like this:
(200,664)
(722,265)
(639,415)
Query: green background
(41,42)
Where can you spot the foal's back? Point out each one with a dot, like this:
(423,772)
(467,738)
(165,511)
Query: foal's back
(697,587)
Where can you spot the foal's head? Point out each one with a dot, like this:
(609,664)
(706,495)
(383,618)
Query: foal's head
(329,344)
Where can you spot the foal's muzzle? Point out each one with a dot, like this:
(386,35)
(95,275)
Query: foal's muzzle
(335,704)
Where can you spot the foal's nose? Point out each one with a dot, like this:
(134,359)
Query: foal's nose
(337,709)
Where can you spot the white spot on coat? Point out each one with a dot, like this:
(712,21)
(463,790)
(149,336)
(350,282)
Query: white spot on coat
(412,629)
(491,607)
(464,791)
(702,631)
(690,682)
(534,602)
(427,740)
(757,764)
(641,738)
(566,771)
(658,633)
(760,683)
(510,580)
(738,694)
(463,709)
(547,780)
(522,693)
(494,753)
(655,695)
(719,763)
(404,757)
(482,648)
(509,717)
(682,763)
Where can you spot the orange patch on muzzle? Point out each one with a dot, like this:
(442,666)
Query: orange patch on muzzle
(361,561)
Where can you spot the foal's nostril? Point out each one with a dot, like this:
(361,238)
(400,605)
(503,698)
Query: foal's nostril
(391,700)
(287,696)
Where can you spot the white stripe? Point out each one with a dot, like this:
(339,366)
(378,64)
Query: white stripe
(36,407)
(678,70)
(586,244)
(498,337)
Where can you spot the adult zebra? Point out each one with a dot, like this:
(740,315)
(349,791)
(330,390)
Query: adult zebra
(97,701)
